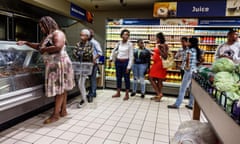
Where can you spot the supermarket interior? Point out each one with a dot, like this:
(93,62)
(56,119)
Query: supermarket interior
(119,72)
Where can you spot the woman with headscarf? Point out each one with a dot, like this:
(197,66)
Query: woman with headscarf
(59,75)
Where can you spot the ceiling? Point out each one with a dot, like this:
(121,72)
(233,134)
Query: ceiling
(106,5)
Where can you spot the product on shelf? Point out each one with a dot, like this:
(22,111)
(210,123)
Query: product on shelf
(209,39)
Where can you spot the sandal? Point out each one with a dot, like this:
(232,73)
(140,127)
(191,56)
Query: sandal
(63,113)
(158,98)
(51,119)
(154,98)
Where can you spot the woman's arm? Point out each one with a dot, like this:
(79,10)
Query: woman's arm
(187,65)
(58,43)
(163,50)
(32,45)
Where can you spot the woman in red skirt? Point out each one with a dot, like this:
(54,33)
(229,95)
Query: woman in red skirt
(157,73)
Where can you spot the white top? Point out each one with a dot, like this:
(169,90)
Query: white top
(125,51)
(229,50)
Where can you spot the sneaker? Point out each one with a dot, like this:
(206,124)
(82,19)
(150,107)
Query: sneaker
(142,95)
(172,106)
(188,107)
(133,94)
(81,104)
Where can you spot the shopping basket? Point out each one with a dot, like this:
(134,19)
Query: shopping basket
(82,68)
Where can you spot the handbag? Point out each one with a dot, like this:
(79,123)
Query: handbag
(115,54)
(169,62)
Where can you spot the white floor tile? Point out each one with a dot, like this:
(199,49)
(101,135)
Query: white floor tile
(6,140)
(88,131)
(134,133)
(68,135)
(60,141)
(45,140)
(20,135)
(135,127)
(101,134)
(130,139)
(107,128)
(147,135)
(111,122)
(111,142)
(95,140)
(94,126)
(82,123)
(64,127)
(115,136)
(119,130)
(162,138)
(80,138)
(32,137)
(32,128)
(9,132)
(99,121)
(76,129)
(43,130)
(55,133)
(144,141)
(21,142)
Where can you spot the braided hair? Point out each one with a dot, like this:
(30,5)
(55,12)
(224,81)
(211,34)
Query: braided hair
(49,24)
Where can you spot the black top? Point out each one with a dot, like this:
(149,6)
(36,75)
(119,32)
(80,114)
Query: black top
(142,56)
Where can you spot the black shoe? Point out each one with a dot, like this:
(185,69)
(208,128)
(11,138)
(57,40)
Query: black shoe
(133,94)
(142,95)
(188,107)
(90,99)
(172,106)
(81,104)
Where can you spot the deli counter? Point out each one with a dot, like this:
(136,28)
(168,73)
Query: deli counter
(21,81)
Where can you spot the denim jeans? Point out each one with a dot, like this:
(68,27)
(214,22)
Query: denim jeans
(186,82)
(138,74)
(121,67)
(93,82)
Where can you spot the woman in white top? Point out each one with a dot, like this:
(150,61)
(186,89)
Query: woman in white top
(123,62)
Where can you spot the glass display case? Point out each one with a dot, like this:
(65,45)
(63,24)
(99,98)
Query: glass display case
(21,78)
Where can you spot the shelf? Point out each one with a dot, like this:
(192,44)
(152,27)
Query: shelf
(212,52)
(171,70)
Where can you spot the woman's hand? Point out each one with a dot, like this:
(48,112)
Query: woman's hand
(127,71)
(42,50)
(21,43)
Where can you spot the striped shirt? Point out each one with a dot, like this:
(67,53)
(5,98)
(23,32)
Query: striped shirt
(193,59)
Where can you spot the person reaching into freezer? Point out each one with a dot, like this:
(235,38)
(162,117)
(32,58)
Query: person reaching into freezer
(84,53)
(230,49)
(122,55)
(97,52)
(157,74)
(59,75)
(192,60)
(140,67)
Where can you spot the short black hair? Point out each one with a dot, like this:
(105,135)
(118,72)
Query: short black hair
(123,31)
(231,32)
(139,40)
(161,37)
(184,39)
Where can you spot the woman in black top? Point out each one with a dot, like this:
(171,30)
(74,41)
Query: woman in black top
(140,66)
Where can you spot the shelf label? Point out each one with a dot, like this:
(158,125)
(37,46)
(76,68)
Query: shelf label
(141,22)
(201,8)
(81,13)
(220,22)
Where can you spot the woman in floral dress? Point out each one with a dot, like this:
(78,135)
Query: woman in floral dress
(59,75)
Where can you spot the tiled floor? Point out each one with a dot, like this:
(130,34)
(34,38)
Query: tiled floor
(107,120)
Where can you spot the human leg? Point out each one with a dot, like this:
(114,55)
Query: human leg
(63,111)
(119,74)
(127,80)
(135,79)
(93,82)
(155,87)
(159,85)
(55,116)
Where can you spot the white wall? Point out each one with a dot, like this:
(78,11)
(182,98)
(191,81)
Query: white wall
(99,23)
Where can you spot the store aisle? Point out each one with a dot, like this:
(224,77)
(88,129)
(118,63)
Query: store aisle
(107,120)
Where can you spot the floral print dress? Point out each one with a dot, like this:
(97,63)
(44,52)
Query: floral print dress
(59,74)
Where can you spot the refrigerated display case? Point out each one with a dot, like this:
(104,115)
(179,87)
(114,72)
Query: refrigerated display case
(209,38)
(21,81)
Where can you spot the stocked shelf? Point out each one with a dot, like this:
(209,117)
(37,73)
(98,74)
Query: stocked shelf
(209,39)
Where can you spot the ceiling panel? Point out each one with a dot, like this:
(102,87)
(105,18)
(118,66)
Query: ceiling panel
(106,5)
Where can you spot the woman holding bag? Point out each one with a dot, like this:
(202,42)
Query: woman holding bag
(122,55)
(157,73)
